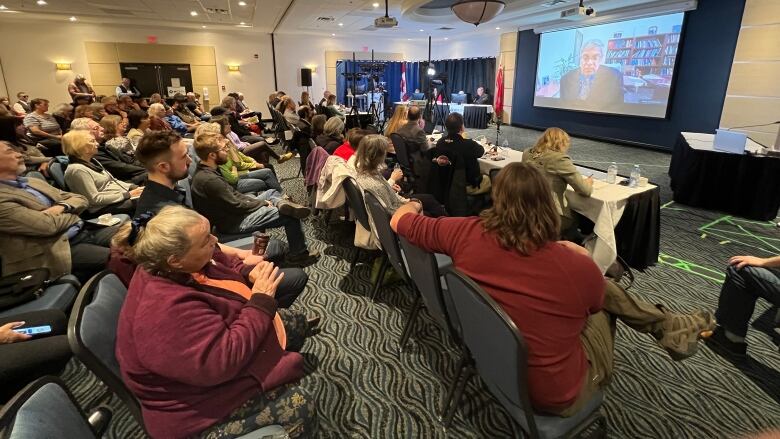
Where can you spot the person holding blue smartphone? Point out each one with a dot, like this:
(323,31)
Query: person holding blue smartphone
(32,345)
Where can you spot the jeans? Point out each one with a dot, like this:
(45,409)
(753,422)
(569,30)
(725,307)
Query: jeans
(291,286)
(258,180)
(740,292)
(259,150)
(267,217)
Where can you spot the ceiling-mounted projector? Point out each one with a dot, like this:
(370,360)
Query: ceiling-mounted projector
(579,13)
(386,22)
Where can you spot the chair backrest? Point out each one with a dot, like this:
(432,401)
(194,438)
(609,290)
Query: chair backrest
(92,334)
(399,144)
(356,203)
(387,237)
(424,272)
(495,344)
(57,173)
(44,409)
(448,183)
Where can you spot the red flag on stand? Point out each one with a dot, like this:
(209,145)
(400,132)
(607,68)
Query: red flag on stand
(403,82)
(498,102)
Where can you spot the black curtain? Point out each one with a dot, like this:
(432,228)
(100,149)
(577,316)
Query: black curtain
(467,74)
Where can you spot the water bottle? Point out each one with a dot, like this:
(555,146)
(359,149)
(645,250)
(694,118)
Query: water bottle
(612,172)
(635,174)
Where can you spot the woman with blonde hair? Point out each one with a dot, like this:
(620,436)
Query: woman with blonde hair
(240,170)
(397,120)
(114,128)
(550,154)
(200,341)
(86,176)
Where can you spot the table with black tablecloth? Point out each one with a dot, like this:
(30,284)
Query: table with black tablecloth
(745,185)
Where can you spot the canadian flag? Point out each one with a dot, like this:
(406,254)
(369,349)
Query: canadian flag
(403,82)
(498,102)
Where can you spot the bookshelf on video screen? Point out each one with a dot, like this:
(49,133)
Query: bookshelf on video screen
(622,68)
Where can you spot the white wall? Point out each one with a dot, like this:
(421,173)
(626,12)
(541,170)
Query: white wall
(294,52)
(29,55)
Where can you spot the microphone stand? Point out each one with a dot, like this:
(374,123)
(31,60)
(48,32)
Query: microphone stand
(498,132)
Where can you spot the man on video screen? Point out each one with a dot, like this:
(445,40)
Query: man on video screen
(595,85)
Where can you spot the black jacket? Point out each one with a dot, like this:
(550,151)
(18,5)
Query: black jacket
(467,150)
(214,198)
(329,143)
(120,165)
(156,196)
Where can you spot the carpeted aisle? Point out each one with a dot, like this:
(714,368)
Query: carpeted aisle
(366,388)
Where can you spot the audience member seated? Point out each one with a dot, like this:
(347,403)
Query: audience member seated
(345,150)
(40,226)
(167,161)
(415,140)
(5,106)
(21,107)
(139,124)
(36,164)
(550,155)
(236,124)
(86,176)
(120,164)
(369,162)
(127,89)
(126,104)
(84,111)
(563,307)
(332,136)
(179,108)
(397,120)
(63,114)
(80,88)
(111,105)
(26,358)
(306,102)
(748,278)
(331,109)
(288,109)
(260,151)
(193,104)
(238,370)
(43,128)
(318,126)
(233,212)
(482,97)
(469,152)
(323,102)
(157,120)
(178,125)
(241,171)
(114,134)
(98,111)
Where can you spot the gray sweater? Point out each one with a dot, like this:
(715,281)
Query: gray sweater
(99,188)
(379,187)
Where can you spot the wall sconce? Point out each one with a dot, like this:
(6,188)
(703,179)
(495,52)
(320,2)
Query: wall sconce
(233,68)
(312,68)
(62,66)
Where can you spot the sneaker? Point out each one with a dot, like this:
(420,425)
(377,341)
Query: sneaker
(302,259)
(719,343)
(284,157)
(294,210)
(679,334)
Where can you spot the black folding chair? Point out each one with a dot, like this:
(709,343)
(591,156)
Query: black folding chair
(46,409)
(500,356)
(389,242)
(402,154)
(358,207)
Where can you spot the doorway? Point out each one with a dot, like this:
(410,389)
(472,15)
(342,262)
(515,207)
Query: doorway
(165,79)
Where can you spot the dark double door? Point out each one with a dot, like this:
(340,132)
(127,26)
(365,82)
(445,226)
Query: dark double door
(157,78)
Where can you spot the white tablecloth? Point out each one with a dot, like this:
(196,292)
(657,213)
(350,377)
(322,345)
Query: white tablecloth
(604,207)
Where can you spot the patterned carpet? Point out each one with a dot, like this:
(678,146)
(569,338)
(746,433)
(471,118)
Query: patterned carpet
(366,388)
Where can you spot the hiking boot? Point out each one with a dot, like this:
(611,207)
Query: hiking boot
(679,334)
(722,346)
(294,210)
(284,157)
(302,259)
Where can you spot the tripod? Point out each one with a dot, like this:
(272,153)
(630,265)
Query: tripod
(435,113)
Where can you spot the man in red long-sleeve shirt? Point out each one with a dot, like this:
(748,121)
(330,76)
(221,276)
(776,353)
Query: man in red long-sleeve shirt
(552,290)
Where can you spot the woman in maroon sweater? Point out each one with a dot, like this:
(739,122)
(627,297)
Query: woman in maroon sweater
(552,290)
(206,354)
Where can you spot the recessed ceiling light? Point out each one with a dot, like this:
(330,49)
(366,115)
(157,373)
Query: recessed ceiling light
(204,26)
(376,5)
(341,24)
(408,39)
(72,18)
(422,30)
(446,38)
(194,13)
(498,28)
(242,3)
(41,3)
(242,23)
(333,35)
(3,8)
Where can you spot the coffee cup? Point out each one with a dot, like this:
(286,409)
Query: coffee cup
(106,218)
(642,181)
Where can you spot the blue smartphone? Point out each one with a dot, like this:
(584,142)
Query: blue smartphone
(34,330)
